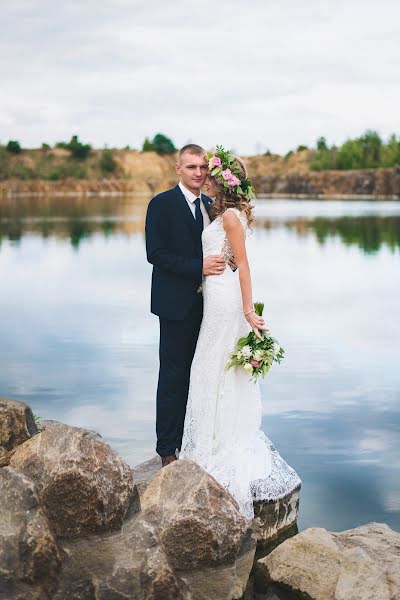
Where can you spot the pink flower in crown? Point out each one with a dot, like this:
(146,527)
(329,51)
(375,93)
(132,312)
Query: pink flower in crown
(217,161)
(254,363)
(227,174)
(233,180)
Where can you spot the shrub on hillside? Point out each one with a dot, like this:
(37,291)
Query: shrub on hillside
(14,147)
(147,145)
(78,150)
(75,171)
(107,163)
(160,144)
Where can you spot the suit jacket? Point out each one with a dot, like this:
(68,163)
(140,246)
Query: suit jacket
(173,246)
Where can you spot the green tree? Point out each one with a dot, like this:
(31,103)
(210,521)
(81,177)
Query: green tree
(14,147)
(147,145)
(107,162)
(162,144)
(45,146)
(321,143)
(365,152)
(301,147)
(390,154)
(350,155)
(371,144)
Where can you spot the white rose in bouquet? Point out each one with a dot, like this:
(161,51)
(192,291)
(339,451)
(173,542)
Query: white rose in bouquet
(258,355)
(246,351)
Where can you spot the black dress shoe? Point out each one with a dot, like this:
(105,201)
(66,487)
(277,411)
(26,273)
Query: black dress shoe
(166,460)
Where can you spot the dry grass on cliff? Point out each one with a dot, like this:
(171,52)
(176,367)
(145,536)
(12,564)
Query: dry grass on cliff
(278,165)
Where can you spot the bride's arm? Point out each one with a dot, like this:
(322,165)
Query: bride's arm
(235,235)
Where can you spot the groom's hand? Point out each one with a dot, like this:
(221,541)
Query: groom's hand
(214,265)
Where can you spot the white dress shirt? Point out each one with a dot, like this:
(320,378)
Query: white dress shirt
(190,198)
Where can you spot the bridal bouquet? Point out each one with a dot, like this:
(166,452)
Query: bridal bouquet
(254,355)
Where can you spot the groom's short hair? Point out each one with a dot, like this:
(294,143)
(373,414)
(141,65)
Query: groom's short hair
(191,149)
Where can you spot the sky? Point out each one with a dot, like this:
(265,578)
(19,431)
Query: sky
(252,75)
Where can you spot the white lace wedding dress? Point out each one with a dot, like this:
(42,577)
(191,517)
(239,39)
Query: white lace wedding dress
(222,431)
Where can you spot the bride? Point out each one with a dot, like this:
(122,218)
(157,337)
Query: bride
(222,430)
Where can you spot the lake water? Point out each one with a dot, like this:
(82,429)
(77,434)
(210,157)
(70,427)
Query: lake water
(78,343)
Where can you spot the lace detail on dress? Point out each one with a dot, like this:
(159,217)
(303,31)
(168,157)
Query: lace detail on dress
(227,250)
(222,431)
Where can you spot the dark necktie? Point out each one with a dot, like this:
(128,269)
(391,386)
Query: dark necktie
(198,214)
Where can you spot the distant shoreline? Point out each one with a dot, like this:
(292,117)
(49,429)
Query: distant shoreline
(148,173)
(11,194)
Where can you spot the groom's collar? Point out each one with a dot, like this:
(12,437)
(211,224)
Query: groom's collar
(187,193)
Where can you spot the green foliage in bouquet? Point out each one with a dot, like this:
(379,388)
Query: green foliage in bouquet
(254,355)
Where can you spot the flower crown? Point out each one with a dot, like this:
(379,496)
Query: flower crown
(221,164)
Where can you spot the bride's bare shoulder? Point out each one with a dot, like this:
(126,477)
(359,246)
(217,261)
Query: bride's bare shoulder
(232,217)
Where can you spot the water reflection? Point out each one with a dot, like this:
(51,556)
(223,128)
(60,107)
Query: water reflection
(78,343)
(368,233)
(80,218)
(75,218)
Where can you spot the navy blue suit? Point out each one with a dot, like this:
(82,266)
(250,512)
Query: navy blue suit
(173,246)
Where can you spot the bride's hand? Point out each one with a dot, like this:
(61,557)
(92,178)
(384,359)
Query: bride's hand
(256,323)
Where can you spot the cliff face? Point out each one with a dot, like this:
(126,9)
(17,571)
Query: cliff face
(274,175)
(150,173)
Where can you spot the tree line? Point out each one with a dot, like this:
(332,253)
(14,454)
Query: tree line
(160,144)
(368,151)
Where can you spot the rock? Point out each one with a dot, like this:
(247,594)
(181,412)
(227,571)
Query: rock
(84,484)
(207,540)
(16,423)
(130,563)
(274,518)
(357,564)
(145,472)
(29,557)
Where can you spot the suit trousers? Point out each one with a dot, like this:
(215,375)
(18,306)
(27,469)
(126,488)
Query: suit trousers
(178,341)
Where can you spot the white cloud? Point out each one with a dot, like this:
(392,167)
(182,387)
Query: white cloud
(264,73)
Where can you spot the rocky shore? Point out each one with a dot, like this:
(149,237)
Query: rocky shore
(77,523)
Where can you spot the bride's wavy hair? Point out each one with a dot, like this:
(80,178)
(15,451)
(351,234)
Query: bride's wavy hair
(228,198)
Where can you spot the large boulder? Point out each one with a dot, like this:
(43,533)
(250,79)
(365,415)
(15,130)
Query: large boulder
(29,556)
(17,423)
(357,564)
(274,520)
(130,563)
(207,540)
(84,484)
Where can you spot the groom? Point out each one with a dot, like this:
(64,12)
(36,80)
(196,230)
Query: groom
(174,223)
